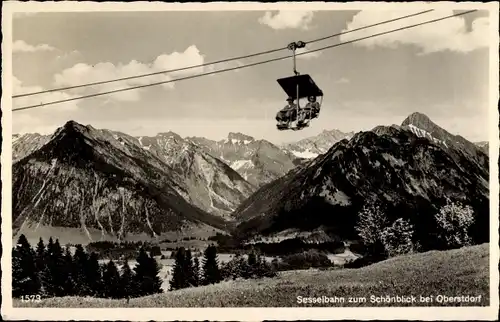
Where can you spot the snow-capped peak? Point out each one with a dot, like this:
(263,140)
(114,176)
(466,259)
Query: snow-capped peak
(239,138)
(422,133)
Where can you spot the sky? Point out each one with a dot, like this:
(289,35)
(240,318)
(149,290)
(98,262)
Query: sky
(440,69)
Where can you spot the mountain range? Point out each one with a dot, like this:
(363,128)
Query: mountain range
(210,183)
(117,184)
(99,179)
(258,161)
(312,147)
(408,170)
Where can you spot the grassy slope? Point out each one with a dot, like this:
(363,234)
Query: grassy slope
(456,272)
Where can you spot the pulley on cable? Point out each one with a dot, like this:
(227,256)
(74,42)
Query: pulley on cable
(293,116)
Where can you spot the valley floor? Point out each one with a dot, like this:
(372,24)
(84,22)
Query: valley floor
(460,272)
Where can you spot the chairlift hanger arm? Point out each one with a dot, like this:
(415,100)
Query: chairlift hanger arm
(293,46)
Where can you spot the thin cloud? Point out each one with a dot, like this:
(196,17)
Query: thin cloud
(69,55)
(19,88)
(20,46)
(287,20)
(449,34)
(43,120)
(82,73)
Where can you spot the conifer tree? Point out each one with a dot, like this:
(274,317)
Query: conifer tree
(68,273)
(25,279)
(111,281)
(180,278)
(146,274)
(48,252)
(50,246)
(40,255)
(40,262)
(93,274)
(127,281)
(46,275)
(188,268)
(80,262)
(55,269)
(211,272)
(196,271)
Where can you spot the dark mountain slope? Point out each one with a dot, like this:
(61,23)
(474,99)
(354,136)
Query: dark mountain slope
(80,178)
(202,180)
(410,176)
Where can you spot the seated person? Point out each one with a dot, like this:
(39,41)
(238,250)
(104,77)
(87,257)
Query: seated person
(287,114)
(313,106)
(311,110)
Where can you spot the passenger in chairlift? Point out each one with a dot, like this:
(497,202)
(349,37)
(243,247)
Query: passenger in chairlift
(313,105)
(310,111)
(287,113)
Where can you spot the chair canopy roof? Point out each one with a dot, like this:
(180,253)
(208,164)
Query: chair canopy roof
(307,87)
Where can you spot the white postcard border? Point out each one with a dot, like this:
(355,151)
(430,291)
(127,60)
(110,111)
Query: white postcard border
(241,314)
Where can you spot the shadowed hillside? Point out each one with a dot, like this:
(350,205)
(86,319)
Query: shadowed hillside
(83,178)
(408,175)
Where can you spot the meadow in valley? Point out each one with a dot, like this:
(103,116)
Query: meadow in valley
(451,273)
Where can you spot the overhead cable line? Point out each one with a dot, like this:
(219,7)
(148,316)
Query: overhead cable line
(243,66)
(368,26)
(215,62)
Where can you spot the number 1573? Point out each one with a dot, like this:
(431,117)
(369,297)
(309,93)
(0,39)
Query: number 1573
(31,298)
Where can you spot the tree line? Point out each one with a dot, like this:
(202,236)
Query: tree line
(124,250)
(51,271)
(188,273)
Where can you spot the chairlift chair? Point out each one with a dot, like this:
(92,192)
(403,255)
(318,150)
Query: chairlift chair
(299,86)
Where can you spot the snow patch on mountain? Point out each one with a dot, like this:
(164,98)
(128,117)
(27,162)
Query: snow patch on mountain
(257,161)
(307,154)
(235,141)
(239,164)
(311,147)
(422,133)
